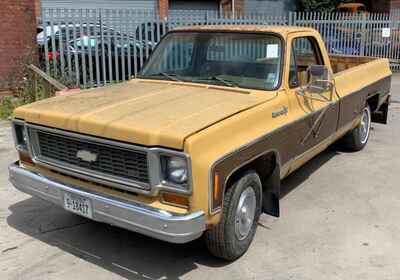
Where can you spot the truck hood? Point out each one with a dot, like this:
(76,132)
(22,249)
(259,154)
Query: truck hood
(149,113)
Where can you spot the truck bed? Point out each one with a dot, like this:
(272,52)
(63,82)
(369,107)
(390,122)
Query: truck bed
(340,63)
(359,79)
(353,73)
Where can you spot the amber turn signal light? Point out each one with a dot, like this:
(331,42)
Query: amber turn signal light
(176,199)
(216,187)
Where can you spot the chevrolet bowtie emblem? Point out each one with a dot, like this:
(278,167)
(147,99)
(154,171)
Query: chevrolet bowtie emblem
(86,156)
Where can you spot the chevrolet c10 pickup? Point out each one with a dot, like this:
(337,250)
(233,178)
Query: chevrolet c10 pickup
(198,143)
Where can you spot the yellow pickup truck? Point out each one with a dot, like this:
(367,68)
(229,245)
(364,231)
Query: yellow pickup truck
(198,143)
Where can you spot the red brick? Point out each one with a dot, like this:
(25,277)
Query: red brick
(37,8)
(17,40)
(227,6)
(163,7)
(395,4)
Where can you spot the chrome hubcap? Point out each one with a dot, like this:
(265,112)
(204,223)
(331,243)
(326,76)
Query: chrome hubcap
(245,213)
(365,126)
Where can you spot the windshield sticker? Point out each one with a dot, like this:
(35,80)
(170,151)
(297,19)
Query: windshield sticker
(272,51)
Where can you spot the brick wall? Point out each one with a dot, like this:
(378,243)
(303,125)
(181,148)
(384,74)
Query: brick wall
(37,8)
(395,4)
(379,6)
(227,6)
(383,6)
(163,7)
(17,39)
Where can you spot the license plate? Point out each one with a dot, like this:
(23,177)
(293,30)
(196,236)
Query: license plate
(78,205)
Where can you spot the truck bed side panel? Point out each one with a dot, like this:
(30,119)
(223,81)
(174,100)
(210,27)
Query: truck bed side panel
(357,84)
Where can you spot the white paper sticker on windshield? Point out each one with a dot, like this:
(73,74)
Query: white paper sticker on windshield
(386,32)
(273,51)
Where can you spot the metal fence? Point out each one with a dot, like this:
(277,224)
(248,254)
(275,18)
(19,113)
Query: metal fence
(93,47)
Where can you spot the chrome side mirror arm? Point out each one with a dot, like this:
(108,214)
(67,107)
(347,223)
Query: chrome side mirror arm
(303,93)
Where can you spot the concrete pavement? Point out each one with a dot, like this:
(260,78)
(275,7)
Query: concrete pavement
(340,220)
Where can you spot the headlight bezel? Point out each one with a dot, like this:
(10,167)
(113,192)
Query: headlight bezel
(165,183)
(171,165)
(20,135)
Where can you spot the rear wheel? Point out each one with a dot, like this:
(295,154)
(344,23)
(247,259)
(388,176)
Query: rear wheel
(357,139)
(231,238)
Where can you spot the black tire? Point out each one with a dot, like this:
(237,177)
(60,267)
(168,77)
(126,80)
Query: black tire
(356,139)
(222,240)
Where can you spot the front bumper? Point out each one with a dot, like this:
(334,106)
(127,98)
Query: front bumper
(154,222)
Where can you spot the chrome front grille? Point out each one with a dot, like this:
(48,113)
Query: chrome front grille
(114,163)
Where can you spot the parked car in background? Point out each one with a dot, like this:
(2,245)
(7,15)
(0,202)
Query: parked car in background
(344,43)
(55,37)
(63,32)
(151,32)
(98,52)
(106,57)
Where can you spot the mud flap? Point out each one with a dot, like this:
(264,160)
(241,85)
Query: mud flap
(272,193)
(381,116)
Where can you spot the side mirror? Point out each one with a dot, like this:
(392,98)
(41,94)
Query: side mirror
(320,79)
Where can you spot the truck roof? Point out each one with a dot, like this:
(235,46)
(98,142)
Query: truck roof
(283,30)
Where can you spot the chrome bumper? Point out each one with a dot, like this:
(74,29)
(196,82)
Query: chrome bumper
(157,223)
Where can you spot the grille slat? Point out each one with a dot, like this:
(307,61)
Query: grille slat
(112,161)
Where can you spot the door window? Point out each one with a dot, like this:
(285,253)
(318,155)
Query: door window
(305,52)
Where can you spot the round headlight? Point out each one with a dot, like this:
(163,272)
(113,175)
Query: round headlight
(177,171)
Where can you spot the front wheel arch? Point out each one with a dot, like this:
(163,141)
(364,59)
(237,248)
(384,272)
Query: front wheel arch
(268,168)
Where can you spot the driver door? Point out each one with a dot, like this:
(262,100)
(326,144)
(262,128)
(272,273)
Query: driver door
(317,113)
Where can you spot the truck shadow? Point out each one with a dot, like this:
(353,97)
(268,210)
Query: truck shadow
(125,253)
(130,255)
(303,173)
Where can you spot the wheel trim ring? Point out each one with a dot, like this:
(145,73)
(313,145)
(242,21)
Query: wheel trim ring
(365,126)
(245,213)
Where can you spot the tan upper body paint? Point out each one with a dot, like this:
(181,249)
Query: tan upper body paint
(207,122)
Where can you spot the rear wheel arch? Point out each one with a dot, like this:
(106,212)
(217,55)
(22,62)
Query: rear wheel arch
(373,102)
(379,108)
(356,139)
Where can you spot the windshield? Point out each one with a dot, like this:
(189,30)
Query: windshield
(231,59)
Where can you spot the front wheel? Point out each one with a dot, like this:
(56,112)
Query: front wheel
(357,139)
(231,238)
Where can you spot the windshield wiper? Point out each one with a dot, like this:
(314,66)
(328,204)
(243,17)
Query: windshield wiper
(226,82)
(170,76)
